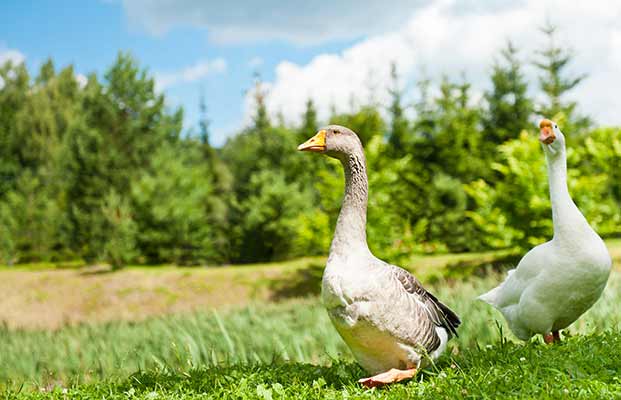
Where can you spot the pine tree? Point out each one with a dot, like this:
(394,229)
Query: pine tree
(508,105)
(309,121)
(218,205)
(203,122)
(87,178)
(424,124)
(306,167)
(110,145)
(260,119)
(398,123)
(456,135)
(14,98)
(555,83)
(46,72)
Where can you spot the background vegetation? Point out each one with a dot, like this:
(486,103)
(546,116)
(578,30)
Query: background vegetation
(104,172)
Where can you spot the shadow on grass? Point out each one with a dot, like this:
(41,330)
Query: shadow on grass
(303,282)
(98,270)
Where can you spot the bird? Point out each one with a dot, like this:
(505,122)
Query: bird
(557,281)
(391,323)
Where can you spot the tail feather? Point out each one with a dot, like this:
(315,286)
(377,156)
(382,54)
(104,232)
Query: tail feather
(491,297)
(447,318)
(451,318)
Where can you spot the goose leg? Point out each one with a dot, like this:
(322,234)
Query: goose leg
(391,376)
(552,337)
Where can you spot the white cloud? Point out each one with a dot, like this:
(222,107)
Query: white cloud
(81,79)
(190,74)
(15,56)
(298,21)
(443,39)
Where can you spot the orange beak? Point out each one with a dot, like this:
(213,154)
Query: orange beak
(546,135)
(316,144)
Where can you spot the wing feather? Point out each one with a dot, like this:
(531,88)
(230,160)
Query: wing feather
(438,312)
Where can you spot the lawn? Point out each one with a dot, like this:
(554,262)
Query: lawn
(265,342)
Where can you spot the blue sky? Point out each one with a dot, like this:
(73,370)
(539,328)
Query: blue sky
(331,51)
(90,34)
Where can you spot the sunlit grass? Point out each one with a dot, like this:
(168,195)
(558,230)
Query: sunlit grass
(249,351)
(294,330)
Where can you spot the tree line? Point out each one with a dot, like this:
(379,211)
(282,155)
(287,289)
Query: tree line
(103,172)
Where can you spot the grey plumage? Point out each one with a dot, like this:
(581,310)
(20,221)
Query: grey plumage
(385,315)
(440,314)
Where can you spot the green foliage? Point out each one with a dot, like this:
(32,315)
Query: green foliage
(457,137)
(13,99)
(120,246)
(103,172)
(271,217)
(86,181)
(176,220)
(598,186)
(309,122)
(8,232)
(398,123)
(508,105)
(515,211)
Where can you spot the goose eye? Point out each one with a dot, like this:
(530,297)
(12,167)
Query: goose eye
(555,126)
(337,132)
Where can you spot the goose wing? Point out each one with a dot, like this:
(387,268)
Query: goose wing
(439,313)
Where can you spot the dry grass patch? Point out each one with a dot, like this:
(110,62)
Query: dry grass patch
(36,296)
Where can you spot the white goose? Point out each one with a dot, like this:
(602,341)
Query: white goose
(559,280)
(383,313)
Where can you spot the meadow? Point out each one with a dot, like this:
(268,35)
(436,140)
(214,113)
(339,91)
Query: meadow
(283,347)
(146,253)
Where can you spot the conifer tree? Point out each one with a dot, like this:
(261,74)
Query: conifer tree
(203,122)
(398,123)
(508,104)
(260,119)
(555,83)
(309,121)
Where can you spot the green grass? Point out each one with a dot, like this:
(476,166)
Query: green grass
(584,367)
(288,348)
(209,350)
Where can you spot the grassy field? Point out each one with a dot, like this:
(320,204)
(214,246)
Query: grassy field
(50,296)
(583,367)
(254,347)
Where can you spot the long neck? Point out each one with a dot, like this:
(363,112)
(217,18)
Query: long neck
(566,217)
(351,225)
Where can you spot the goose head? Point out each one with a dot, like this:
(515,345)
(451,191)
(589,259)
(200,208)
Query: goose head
(334,141)
(551,138)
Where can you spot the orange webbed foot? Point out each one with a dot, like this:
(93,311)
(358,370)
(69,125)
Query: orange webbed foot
(385,378)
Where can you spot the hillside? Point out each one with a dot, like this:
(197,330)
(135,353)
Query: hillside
(51,296)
